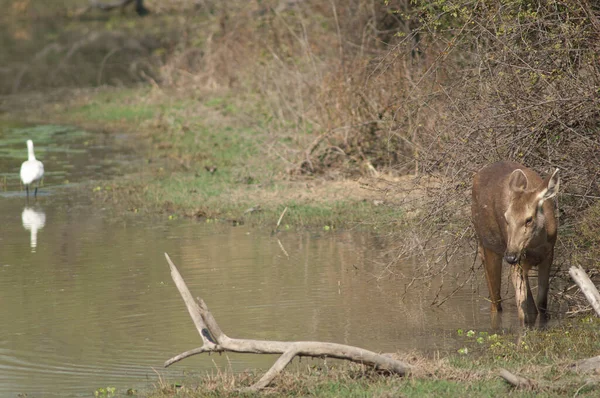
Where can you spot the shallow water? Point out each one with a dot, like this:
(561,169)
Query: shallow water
(70,155)
(89,302)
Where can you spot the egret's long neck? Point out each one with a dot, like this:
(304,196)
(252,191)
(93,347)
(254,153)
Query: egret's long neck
(30,151)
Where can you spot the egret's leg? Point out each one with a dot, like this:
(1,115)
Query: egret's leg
(37,186)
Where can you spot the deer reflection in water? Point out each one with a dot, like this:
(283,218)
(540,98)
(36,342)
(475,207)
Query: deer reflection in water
(33,220)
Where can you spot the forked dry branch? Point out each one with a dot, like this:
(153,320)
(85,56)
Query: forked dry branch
(214,340)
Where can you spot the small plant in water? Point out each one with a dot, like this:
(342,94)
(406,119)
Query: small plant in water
(481,338)
(105,392)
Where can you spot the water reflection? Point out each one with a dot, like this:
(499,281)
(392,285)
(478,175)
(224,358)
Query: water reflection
(33,220)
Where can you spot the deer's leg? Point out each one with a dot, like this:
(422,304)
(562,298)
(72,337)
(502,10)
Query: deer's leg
(544,281)
(526,307)
(493,274)
(542,256)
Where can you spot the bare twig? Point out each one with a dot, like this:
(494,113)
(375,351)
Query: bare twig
(281,217)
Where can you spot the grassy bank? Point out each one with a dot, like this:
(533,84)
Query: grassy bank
(545,357)
(211,157)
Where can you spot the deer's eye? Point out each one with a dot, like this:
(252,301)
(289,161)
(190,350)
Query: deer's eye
(528,221)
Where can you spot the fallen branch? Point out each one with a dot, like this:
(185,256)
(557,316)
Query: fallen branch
(214,340)
(517,381)
(587,287)
(587,365)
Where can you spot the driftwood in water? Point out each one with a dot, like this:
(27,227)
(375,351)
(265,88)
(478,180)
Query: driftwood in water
(517,381)
(214,340)
(587,287)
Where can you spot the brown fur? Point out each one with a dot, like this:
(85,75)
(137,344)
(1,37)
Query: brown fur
(505,196)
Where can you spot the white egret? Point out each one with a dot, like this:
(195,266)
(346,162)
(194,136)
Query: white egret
(31,170)
(33,220)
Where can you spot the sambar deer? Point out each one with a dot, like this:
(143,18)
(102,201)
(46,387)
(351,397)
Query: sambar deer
(515,223)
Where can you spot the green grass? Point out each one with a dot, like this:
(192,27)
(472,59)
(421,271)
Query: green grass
(449,388)
(211,197)
(115,112)
(207,158)
(210,155)
(543,356)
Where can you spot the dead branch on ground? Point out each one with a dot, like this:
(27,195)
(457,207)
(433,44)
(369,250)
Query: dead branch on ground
(587,365)
(587,287)
(517,381)
(214,340)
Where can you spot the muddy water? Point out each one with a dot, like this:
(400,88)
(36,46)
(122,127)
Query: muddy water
(88,303)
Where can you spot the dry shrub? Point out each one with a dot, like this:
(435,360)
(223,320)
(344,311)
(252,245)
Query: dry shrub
(41,55)
(318,67)
(512,80)
(585,244)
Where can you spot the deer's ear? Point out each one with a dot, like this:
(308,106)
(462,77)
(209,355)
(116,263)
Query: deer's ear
(550,188)
(517,181)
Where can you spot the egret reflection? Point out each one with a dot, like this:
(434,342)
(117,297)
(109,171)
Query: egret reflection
(33,220)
